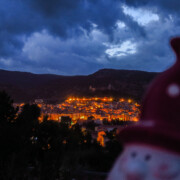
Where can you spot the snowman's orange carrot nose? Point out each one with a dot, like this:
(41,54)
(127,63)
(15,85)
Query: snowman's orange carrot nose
(175,43)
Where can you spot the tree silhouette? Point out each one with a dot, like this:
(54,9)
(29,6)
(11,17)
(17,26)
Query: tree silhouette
(7,111)
(29,115)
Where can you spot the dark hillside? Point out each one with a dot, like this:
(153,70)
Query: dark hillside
(23,86)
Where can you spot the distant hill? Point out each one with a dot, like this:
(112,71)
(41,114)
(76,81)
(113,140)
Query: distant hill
(25,87)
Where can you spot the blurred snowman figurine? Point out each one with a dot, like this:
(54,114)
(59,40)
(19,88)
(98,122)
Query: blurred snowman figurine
(152,147)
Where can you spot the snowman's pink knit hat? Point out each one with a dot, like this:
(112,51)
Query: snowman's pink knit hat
(159,123)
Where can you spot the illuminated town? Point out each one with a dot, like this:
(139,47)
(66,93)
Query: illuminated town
(80,109)
(98,110)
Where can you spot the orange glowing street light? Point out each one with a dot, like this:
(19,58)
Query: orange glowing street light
(135,119)
(129,100)
(122,100)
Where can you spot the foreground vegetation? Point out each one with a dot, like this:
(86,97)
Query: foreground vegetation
(47,150)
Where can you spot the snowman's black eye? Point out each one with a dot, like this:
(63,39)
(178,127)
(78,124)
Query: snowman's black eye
(147,157)
(133,154)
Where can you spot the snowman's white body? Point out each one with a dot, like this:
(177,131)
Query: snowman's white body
(141,162)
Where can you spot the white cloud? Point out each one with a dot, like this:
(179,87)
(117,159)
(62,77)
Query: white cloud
(6,62)
(142,16)
(124,49)
(120,24)
(41,46)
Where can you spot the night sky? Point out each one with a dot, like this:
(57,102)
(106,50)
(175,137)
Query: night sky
(71,37)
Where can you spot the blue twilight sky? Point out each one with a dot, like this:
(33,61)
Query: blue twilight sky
(72,37)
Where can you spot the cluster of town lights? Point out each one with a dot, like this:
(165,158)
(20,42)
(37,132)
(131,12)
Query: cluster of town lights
(106,99)
(80,108)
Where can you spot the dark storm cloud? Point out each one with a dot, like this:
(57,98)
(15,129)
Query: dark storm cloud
(16,20)
(61,17)
(50,8)
(71,36)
